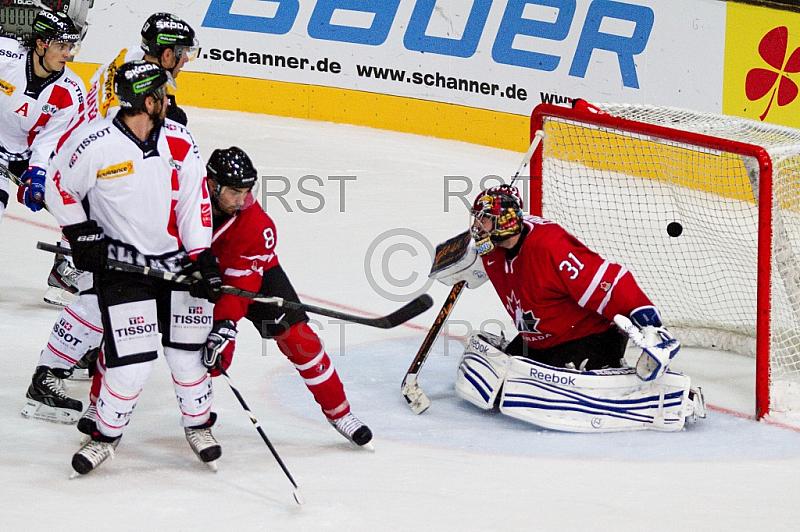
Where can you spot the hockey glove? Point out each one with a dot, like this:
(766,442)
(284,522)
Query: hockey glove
(89,249)
(210,282)
(646,331)
(31,192)
(218,350)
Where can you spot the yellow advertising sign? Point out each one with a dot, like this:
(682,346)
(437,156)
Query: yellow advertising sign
(762,64)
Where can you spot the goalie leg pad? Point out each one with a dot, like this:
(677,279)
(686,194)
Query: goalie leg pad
(607,400)
(482,370)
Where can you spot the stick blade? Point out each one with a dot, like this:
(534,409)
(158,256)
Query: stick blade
(410,310)
(417,400)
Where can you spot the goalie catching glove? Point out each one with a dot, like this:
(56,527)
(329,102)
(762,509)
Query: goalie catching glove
(219,347)
(457,260)
(646,331)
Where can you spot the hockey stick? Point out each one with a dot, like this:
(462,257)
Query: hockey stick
(416,398)
(447,253)
(410,310)
(537,139)
(298,497)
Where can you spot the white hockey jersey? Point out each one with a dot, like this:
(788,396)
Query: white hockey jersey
(154,200)
(34,115)
(101,102)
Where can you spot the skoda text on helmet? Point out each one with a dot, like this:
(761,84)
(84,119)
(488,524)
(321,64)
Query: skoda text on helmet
(497,216)
(235,179)
(52,26)
(136,80)
(164,30)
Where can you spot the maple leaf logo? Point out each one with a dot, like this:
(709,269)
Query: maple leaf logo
(760,81)
(524,320)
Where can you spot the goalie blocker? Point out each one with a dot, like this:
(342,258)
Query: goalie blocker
(569,400)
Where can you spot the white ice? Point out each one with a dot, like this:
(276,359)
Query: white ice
(453,467)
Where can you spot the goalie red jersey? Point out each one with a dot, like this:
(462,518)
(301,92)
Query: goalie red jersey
(556,289)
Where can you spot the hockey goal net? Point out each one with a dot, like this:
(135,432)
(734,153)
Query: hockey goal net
(703,209)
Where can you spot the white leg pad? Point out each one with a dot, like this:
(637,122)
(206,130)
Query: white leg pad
(594,401)
(78,329)
(192,385)
(481,371)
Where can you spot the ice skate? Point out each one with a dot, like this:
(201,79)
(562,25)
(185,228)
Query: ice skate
(354,430)
(47,399)
(87,424)
(203,443)
(93,453)
(62,283)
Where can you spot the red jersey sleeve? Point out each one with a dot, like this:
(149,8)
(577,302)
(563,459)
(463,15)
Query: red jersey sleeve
(245,247)
(594,282)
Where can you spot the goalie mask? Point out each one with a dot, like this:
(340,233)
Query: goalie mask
(496,216)
(235,180)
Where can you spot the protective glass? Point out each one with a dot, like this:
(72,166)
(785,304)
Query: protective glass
(61,47)
(188,52)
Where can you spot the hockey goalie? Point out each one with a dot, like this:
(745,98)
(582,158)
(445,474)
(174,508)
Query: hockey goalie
(575,313)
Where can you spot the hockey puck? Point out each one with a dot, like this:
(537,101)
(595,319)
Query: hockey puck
(674,229)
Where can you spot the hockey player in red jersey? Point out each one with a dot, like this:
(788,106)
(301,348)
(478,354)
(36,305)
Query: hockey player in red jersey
(561,295)
(39,95)
(245,241)
(569,305)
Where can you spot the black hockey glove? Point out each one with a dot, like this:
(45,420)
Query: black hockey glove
(89,249)
(219,347)
(210,282)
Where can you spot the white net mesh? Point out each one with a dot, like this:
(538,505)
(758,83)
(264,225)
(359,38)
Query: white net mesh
(623,193)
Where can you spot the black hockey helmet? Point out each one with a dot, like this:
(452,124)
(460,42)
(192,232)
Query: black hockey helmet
(165,30)
(54,26)
(502,206)
(136,80)
(231,168)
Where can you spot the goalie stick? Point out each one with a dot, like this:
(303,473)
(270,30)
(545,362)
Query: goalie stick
(447,253)
(410,310)
(416,398)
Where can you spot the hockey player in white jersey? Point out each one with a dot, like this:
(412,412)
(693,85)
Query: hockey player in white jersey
(142,178)
(167,41)
(39,96)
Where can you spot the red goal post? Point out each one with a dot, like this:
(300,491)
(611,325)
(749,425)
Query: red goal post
(727,273)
